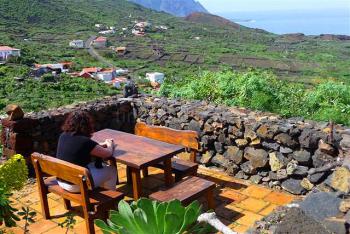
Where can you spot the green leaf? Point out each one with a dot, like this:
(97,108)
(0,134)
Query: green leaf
(32,213)
(172,223)
(141,221)
(191,215)
(160,215)
(150,214)
(127,223)
(104,227)
(125,210)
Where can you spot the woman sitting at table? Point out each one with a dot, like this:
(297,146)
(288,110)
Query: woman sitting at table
(75,146)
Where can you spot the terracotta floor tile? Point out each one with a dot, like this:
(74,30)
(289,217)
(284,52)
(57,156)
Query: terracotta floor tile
(256,191)
(279,198)
(240,228)
(232,195)
(268,209)
(30,199)
(42,226)
(57,230)
(239,203)
(252,204)
(232,206)
(63,218)
(14,230)
(81,228)
(54,196)
(223,212)
(52,203)
(248,218)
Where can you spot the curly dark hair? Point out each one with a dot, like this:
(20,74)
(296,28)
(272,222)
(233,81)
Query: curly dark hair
(79,123)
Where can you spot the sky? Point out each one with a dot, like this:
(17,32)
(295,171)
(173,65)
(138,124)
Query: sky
(220,6)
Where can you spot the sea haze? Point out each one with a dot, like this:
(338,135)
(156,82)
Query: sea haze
(309,22)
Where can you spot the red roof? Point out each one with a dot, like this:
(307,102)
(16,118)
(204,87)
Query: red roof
(101,39)
(107,70)
(119,79)
(91,70)
(7,48)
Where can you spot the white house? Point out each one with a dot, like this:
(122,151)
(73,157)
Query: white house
(117,82)
(107,32)
(105,76)
(156,77)
(77,44)
(6,52)
(120,72)
(59,67)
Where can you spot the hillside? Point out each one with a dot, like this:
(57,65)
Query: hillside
(202,42)
(205,18)
(175,7)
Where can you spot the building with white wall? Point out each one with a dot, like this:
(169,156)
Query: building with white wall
(77,44)
(6,52)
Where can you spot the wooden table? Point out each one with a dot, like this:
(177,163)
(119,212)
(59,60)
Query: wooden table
(138,153)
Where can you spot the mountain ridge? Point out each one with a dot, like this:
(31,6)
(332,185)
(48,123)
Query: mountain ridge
(180,8)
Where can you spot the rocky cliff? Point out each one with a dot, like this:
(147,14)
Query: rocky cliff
(175,7)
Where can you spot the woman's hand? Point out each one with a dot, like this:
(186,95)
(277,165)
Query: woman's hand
(110,143)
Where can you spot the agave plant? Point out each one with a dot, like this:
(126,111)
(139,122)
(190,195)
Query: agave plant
(151,217)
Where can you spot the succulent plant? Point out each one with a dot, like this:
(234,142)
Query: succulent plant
(152,217)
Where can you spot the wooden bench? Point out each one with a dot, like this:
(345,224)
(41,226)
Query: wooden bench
(188,190)
(188,139)
(96,203)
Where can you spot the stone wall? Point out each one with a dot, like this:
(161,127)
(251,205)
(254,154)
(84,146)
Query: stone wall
(292,154)
(39,132)
(262,147)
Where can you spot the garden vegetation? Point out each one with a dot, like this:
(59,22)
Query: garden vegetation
(261,90)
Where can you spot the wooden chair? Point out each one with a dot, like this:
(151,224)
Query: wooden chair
(188,139)
(95,202)
(187,190)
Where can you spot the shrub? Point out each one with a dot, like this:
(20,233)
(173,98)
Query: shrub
(13,173)
(151,217)
(7,212)
(261,90)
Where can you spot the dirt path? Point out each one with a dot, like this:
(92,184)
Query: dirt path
(95,54)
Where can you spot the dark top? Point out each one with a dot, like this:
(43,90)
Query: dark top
(130,89)
(75,149)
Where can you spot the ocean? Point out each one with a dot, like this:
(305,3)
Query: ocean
(309,22)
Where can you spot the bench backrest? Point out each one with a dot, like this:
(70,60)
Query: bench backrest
(186,138)
(61,169)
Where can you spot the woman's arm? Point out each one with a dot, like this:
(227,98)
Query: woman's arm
(104,152)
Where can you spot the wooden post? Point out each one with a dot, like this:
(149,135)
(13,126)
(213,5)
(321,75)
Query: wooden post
(168,172)
(210,199)
(90,229)
(42,190)
(136,183)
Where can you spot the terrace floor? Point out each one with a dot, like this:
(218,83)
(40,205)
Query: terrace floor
(239,203)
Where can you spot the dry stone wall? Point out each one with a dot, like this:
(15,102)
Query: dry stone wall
(291,154)
(39,132)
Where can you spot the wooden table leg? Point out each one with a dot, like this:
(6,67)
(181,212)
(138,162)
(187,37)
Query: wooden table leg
(136,183)
(168,172)
(210,199)
(128,175)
